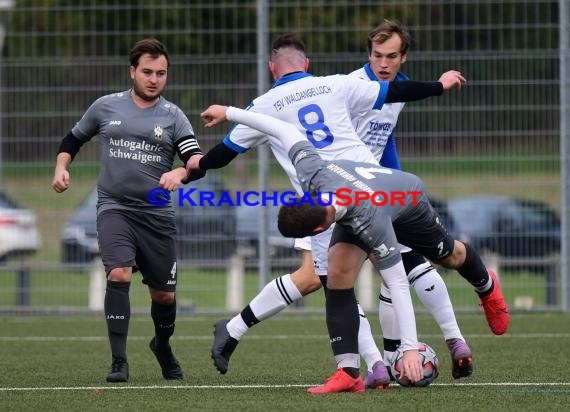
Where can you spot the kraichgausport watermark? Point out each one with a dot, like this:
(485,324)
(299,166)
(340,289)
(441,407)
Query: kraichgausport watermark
(340,197)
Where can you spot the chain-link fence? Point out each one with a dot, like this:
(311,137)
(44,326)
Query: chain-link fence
(498,139)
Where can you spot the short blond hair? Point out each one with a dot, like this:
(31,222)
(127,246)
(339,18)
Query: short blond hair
(387,29)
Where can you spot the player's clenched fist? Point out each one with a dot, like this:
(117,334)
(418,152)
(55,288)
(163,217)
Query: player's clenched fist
(60,181)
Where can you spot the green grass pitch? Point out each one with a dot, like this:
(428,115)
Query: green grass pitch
(59,363)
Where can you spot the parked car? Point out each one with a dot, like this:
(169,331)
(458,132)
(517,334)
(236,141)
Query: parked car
(281,249)
(205,232)
(19,234)
(79,234)
(508,227)
(441,207)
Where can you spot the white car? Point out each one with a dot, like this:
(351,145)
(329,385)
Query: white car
(19,234)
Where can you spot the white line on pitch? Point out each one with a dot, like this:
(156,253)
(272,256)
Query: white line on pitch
(89,388)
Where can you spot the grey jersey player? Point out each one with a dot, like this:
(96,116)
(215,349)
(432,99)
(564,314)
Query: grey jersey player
(138,145)
(363,230)
(368,199)
(140,133)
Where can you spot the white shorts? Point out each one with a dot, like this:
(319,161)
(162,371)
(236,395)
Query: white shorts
(320,249)
(303,243)
(319,246)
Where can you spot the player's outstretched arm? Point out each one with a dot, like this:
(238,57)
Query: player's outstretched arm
(214,115)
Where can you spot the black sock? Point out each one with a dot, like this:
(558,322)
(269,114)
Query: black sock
(473,269)
(118,313)
(323,280)
(391,345)
(353,372)
(164,317)
(248,317)
(342,320)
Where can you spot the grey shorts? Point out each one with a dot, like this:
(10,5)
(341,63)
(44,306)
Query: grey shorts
(424,233)
(421,230)
(142,241)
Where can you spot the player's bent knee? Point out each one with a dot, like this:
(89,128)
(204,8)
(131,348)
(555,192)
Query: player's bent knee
(120,275)
(315,284)
(452,261)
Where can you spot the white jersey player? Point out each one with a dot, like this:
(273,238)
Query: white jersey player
(322,108)
(387,50)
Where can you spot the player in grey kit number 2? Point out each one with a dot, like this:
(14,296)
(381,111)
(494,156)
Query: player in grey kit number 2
(361,231)
(140,134)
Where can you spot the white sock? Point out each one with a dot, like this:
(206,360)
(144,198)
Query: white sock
(347,360)
(272,299)
(432,292)
(237,327)
(366,345)
(388,321)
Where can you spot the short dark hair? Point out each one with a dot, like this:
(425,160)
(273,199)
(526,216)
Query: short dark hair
(387,29)
(288,40)
(148,46)
(301,219)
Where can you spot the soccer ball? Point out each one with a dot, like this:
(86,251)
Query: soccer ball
(430,363)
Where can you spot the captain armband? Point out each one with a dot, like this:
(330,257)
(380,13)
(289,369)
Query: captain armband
(186,147)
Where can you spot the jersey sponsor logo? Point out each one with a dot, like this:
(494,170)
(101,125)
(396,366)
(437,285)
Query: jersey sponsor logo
(138,156)
(139,145)
(137,150)
(379,126)
(115,123)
